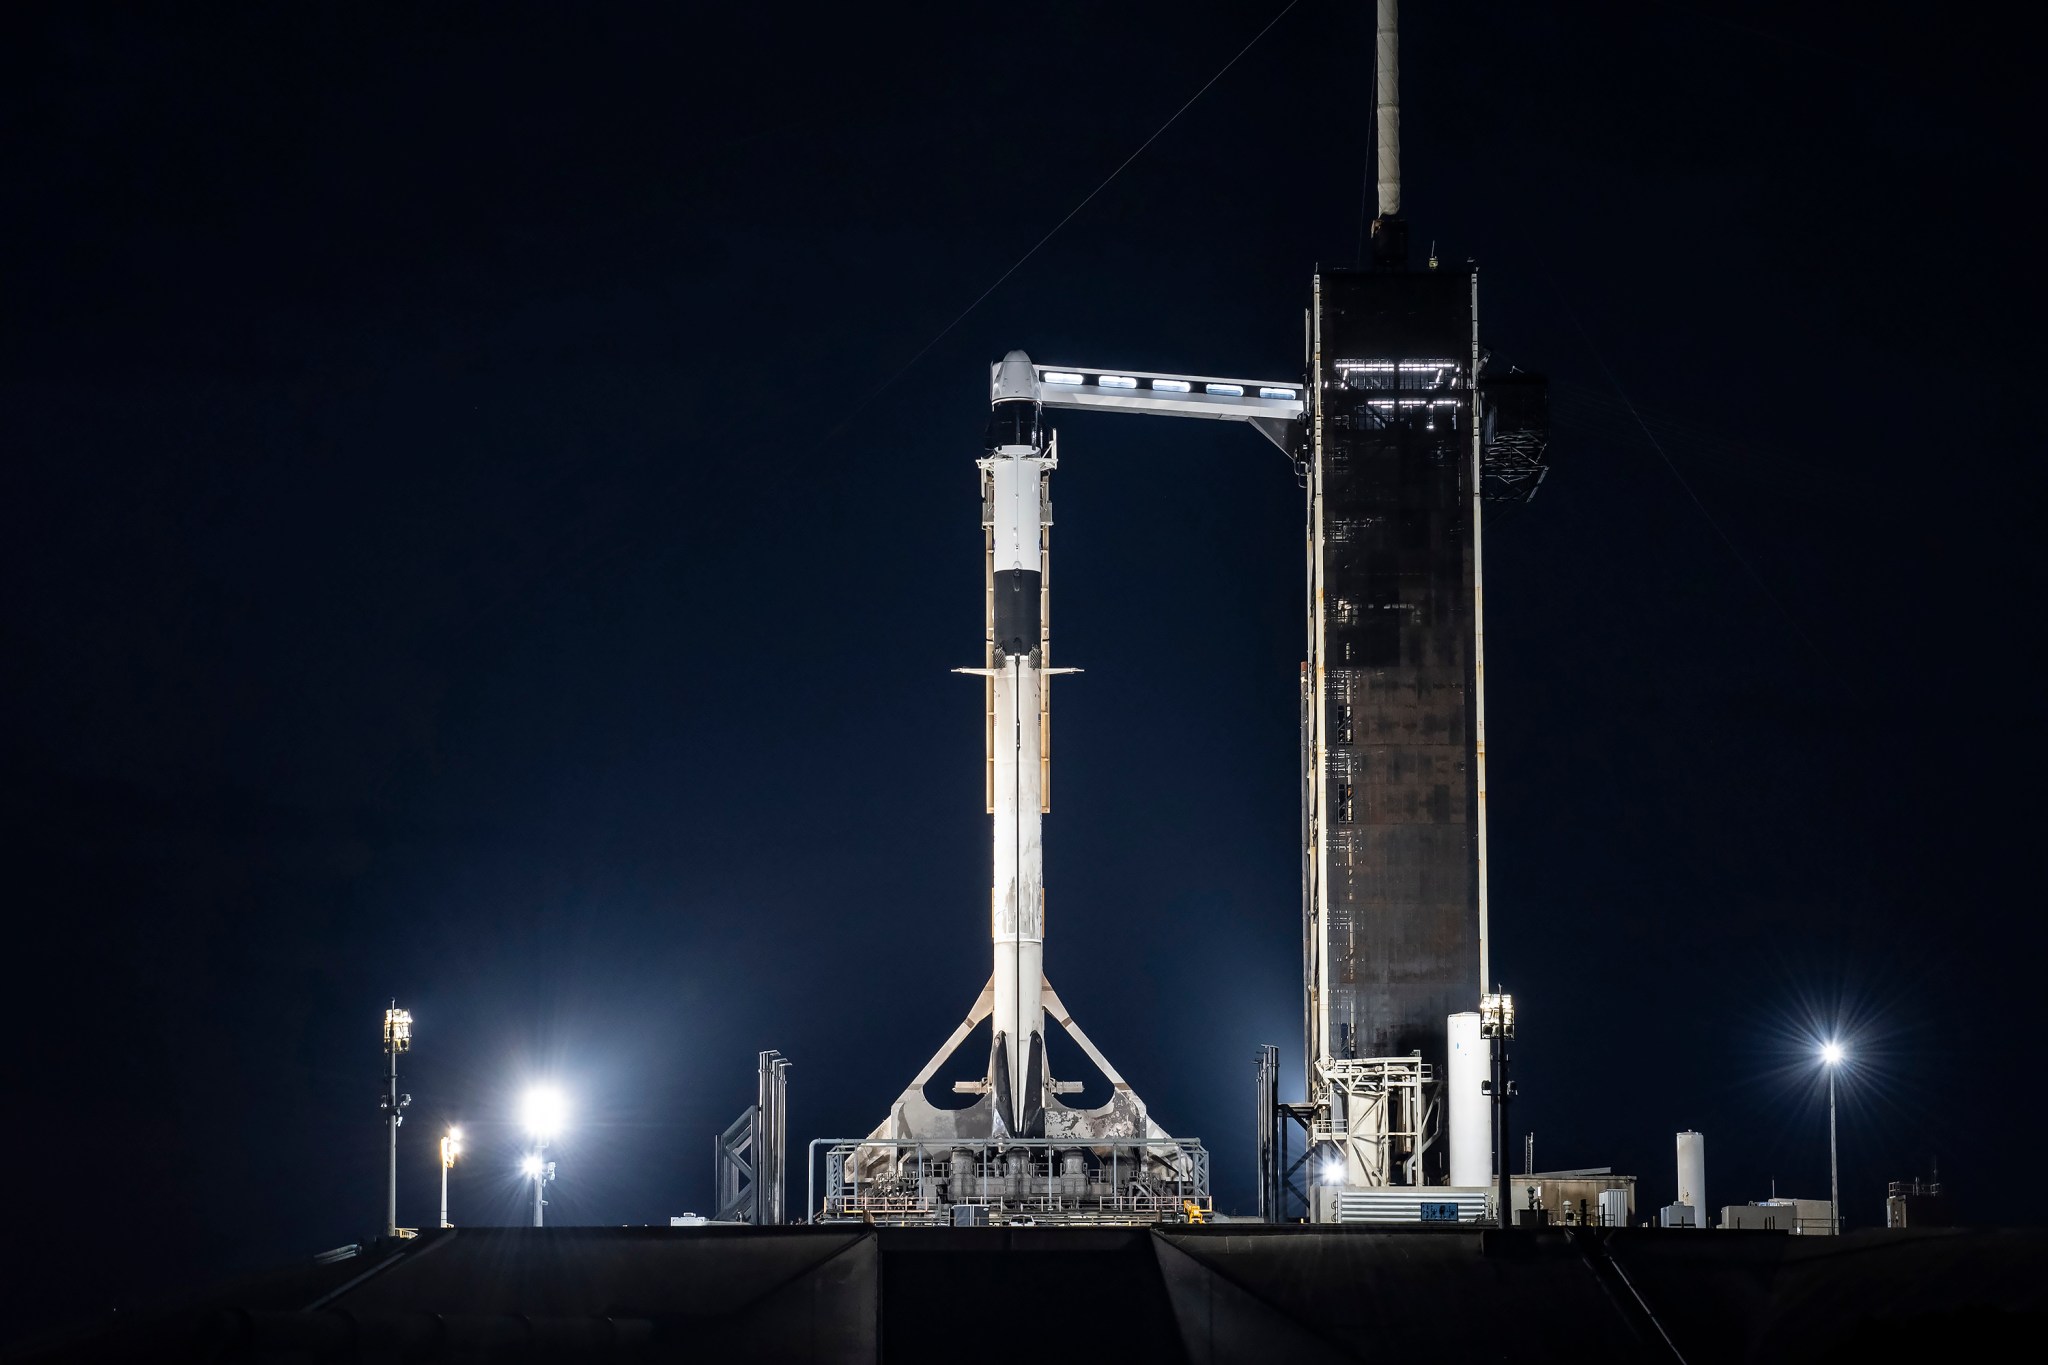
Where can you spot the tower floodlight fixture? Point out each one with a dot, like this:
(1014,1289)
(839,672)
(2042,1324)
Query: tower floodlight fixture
(543,1112)
(529,1165)
(397,1029)
(1497,1016)
(451,1148)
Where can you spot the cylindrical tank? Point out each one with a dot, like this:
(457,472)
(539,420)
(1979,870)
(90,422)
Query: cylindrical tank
(1692,1174)
(1471,1116)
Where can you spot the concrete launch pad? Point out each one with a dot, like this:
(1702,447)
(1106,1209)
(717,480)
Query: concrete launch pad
(1243,1292)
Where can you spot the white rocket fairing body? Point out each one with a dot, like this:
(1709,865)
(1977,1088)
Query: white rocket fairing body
(1015,465)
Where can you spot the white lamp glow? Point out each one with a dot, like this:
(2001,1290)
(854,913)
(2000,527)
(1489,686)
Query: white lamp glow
(543,1111)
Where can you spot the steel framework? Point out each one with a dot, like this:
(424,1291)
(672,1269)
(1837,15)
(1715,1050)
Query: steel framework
(1016,1180)
(748,1174)
(1378,1116)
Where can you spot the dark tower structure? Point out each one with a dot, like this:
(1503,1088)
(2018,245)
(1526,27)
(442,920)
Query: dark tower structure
(1405,437)
(1396,899)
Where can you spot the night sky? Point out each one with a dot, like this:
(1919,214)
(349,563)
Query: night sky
(475,534)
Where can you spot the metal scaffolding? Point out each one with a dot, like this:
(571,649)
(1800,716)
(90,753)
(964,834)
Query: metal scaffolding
(748,1175)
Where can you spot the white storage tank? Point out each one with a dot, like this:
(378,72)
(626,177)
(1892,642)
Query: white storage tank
(1471,1117)
(1692,1173)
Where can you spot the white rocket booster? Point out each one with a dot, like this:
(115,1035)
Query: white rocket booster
(1019,1098)
(1017,458)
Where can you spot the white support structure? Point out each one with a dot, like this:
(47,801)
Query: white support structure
(1373,1113)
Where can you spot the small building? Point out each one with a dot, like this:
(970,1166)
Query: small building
(1917,1204)
(1811,1217)
(1755,1218)
(1678,1216)
(1573,1198)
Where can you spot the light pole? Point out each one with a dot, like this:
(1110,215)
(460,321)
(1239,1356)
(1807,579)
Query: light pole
(451,1147)
(1831,1057)
(397,1039)
(1497,1023)
(543,1111)
(539,1172)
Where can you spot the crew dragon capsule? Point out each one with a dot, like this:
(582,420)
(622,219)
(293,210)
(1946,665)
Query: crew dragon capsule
(1018,1097)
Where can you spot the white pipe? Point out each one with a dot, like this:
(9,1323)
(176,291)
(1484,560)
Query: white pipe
(1386,65)
(1321,1037)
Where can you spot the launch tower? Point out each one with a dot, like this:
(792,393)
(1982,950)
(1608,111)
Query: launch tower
(1407,436)
(1399,431)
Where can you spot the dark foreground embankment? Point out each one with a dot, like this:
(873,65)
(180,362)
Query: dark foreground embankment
(1222,1293)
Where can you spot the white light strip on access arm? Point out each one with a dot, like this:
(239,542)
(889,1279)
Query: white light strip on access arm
(1170,395)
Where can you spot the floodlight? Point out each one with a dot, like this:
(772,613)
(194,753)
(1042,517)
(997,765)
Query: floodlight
(397,1029)
(1333,1171)
(1497,1016)
(1831,1053)
(543,1111)
(530,1167)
